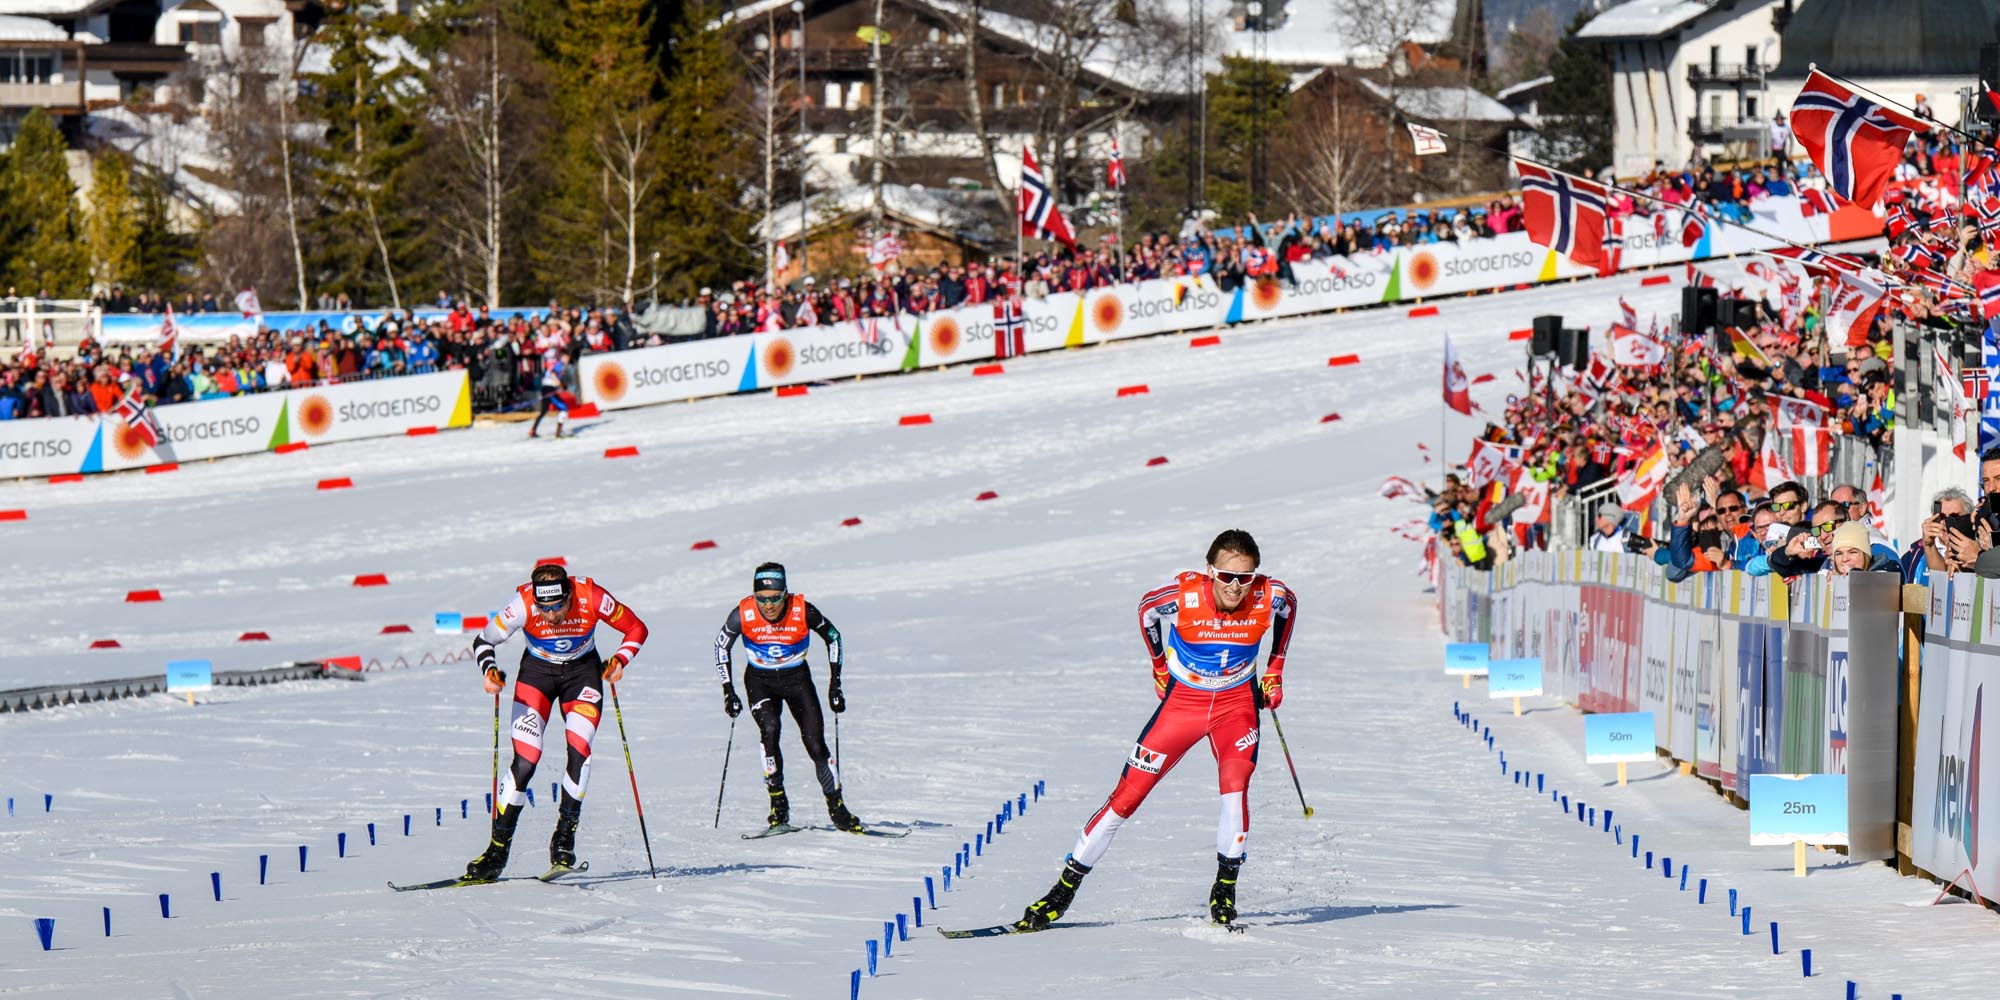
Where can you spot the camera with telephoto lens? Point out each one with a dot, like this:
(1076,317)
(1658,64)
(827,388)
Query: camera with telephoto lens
(1638,544)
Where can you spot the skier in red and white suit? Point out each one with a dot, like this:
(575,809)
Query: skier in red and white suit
(1203,632)
(560,669)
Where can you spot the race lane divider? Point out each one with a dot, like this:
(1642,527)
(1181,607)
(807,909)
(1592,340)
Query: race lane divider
(1586,815)
(897,930)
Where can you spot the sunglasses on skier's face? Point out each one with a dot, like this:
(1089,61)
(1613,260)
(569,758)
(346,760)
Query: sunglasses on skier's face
(777,598)
(1233,579)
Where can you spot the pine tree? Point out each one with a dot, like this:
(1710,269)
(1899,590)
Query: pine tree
(1577,119)
(113,228)
(1246,107)
(42,231)
(161,256)
(706,239)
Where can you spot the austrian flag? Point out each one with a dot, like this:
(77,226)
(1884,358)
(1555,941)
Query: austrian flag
(1855,142)
(1563,213)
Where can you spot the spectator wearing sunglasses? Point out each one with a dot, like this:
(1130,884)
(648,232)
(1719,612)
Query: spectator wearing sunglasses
(777,626)
(1806,550)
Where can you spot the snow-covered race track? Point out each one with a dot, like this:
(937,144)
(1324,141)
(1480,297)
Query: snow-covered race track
(990,644)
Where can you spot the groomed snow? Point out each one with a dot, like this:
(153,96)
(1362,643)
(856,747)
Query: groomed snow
(990,644)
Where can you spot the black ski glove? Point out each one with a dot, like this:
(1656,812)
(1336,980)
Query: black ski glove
(730,703)
(833,698)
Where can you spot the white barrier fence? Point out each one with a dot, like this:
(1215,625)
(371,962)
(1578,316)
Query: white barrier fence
(238,425)
(1743,675)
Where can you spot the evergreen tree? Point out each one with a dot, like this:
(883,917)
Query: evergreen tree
(706,238)
(367,235)
(113,228)
(1246,108)
(41,227)
(1577,118)
(162,257)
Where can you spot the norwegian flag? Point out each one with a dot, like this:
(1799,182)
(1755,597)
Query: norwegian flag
(1918,255)
(1036,205)
(170,335)
(1813,201)
(871,330)
(1988,211)
(1699,278)
(1941,224)
(1804,423)
(1980,177)
(1855,142)
(133,413)
(1988,283)
(1457,390)
(1898,220)
(1114,171)
(1010,327)
(1694,223)
(1614,248)
(1939,285)
(1563,213)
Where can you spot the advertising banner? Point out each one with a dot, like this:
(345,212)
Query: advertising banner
(237,425)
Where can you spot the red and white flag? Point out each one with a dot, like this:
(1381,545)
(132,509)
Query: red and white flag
(1627,315)
(1114,171)
(1563,213)
(1398,486)
(1428,141)
(1852,311)
(1036,205)
(1633,349)
(1535,506)
(1813,201)
(246,303)
(1640,484)
(886,249)
(170,335)
(1457,389)
(1803,423)
(1491,462)
(1855,142)
(1878,499)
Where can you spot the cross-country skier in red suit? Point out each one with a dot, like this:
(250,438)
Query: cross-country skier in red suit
(1203,631)
(559,669)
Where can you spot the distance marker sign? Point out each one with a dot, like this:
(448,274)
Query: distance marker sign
(1798,809)
(1465,658)
(1514,678)
(1618,738)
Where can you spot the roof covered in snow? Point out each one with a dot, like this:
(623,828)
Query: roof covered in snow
(1442,103)
(945,211)
(1523,87)
(29,29)
(1642,19)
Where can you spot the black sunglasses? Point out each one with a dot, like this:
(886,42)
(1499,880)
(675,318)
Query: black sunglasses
(761,599)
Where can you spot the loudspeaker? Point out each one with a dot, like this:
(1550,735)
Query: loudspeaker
(1548,331)
(1574,348)
(1739,313)
(1697,310)
(1989,74)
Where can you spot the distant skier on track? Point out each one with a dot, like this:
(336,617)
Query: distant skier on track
(776,627)
(559,669)
(1203,631)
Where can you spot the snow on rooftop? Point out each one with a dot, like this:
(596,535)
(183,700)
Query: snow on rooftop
(1443,103)
(1311,33)
(925,206)
(1642,19)
(1523,87)
(29,29)
(51,8)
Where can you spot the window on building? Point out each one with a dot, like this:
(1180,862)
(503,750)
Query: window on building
(1714,60)
(201,32)
(250,33)
(26,66)
(1750,107)
(840,144)
(832,95)
(1715,110)
(1750,57)
(999,95)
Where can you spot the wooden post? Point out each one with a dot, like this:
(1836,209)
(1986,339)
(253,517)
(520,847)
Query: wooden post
(190,695)
(1798,859)
(1468,681)
(1916,604)
(1621,774)
(1517,705)
(1687,768)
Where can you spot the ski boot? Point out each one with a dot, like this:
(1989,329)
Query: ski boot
(781,807)
(562,846)
(1050,908)
(488,866)
(836,810)
(1222,895)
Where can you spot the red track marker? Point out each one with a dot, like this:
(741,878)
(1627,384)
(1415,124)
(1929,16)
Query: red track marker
(851,522)
(1520,335)
(254,637)
(1156,460)
(1329,418)
(552,561)
(343,483)
(1210,340)
(1421,311)
(989,370)
(1343,360)
(914,420)
(1656,279)
(787,391)
(142,596)
(70,477)
(420,431)
(988,495)
(394,629)
(286,449)
(106,644)
(371,580)
(13,515)
(627,451)
(154,470)
(1133,390)
(706,543)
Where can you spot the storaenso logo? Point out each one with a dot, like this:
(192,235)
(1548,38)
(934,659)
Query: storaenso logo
(1955,812)
(846,350)
(669,374)
(211,430)
(381,409)
(1648,240)
(37,448)
(1335,283)
(1488,262)
(1148,307)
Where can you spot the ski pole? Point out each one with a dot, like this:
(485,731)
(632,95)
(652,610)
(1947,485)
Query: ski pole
(836,743)
(644,838)
(1288,763)
(725,772)
(495,799)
